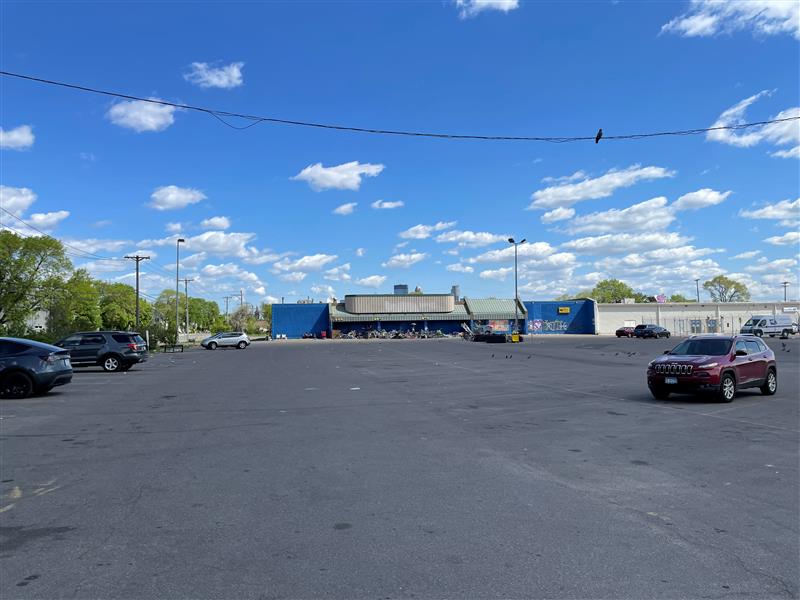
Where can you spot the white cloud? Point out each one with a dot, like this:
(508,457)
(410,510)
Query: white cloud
(781,265)
(785,209)
(790,238)
(93,245)
(173,227)
(373,281)
(496,274)
(16,200)
(747,255)
(404,261)
(103,223)
(260,290)
(47,221)
(345,209)
(220,243)
(230,270)
(387,204)
(650,214)
(172,197)
(763,17)
(19,138)
(193,260)
(294,276)
(666,256)
(620,243)
(216,223)
(535,251)
(471,239)
(460,268)
(470,8)
(346,176)
(421,232)
(340,273)
(361,252)
(565,194)
(141,116)
(785,133)
(207,76)
(313,262)
(700,199)
(323,290)
(558,214)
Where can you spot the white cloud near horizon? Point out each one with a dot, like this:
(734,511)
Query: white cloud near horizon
(19,138)
(141,116)
(471,239)
(372,281)
(206,75)
(340,273)
(172,197)
(346,176)
(460,268)
(312,262)
(471,8)
(404,261)
(621,243)
(763,18)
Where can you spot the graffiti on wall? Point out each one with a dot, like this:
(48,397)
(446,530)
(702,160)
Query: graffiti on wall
(544,326)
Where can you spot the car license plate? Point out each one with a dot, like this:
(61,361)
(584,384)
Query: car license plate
(671,380)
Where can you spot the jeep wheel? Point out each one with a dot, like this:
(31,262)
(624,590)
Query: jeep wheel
(111,363)
(16,385)
(212,345)
(659,393)
(770,383)
(241,345)
(727,388)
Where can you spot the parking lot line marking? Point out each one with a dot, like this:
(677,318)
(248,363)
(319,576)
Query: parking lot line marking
(5,508)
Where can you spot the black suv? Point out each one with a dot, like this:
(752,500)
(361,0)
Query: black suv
(650,331)
(112,350)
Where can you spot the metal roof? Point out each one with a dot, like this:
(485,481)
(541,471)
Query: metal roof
(340,315)
(493,308)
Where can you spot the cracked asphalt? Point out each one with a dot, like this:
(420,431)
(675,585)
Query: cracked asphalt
(400,469)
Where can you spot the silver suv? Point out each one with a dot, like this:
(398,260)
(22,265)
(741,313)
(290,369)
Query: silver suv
(232,339)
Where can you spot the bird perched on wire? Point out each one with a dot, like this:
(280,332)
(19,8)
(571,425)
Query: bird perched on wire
(599,135)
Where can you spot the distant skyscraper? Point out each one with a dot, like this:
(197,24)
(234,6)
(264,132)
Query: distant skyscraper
(400,289)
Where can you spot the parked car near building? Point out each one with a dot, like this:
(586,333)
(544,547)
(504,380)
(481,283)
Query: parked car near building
(28,367)
(230,339)
(770,325)
(650,331)
(718,364)
(112,350)
(625,332)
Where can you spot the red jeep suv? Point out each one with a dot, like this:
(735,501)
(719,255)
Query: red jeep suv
(720,364)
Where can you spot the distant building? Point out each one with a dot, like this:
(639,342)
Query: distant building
(401,289)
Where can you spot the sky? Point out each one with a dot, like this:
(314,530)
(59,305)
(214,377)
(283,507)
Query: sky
(288,212)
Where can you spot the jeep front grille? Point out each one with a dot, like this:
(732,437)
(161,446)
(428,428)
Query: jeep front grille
(674,369)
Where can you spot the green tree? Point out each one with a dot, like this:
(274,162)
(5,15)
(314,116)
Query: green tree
(680,298)
(611,290)
(32,270)
(76,307)
(203,314)
(164,312)
(725,289)
(118,306)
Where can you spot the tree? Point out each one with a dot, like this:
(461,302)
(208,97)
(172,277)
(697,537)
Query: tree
(203,314)
(725,289)
(76,306)
(32,269)
(611,290)
(680,298)
(118,306)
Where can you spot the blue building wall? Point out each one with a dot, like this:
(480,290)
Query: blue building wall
(362,327)
(545,318)
(293,320)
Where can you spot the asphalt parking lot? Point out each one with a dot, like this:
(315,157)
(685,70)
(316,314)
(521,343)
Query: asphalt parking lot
(400,468)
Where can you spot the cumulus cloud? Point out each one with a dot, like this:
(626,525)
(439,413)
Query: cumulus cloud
(230,270)
(372,281)
(706,18)
(141,116)
(620,243)
(785,133)
(387,204)
(19,138)
(471,8)
(16,200)
(340,273)
(496,274)
(345,209)
(700,199)
(293,277)
(785,209)
(404,261)
(47,221)
(312,262)
(564,194)
(471,239)
(790,238)
(173,227)
(460,268)
(172,197)
(650,214)
(666,256)
(194,260)
(421,232)
(361,252)
(535,250)
(206,75)
(215,223)
(346,176)
(557,214)
(748,255)
(323,290)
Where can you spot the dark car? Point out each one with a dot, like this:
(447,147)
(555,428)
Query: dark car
(112,350)
(714,363)
(28,367)
(650,331)
(625,332)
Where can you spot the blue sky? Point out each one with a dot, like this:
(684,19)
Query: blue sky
(655,213)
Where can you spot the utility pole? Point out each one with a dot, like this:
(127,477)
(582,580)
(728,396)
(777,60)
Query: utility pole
(241,297)
(785,285)
(226,305)
(177,280)
(186,293)
(138,259)
(697,283)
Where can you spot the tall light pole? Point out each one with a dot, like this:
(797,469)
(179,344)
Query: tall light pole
(697,283)
(177,282)
(516,294)
(785,285)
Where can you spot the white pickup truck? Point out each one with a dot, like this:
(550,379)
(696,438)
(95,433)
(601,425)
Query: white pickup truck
(770,325)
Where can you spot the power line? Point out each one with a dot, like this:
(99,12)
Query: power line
(222,114)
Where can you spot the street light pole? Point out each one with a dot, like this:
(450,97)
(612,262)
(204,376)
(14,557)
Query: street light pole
(186,292)
(785,285)
(697,283)
(177,283)
(516,293)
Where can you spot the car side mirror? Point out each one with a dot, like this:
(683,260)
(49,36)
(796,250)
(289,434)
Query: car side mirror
(667,351)
(741,353)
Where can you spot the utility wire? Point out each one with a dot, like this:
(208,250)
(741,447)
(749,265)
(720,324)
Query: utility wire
(222,114)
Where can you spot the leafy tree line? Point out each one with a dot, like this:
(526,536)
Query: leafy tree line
(720,288)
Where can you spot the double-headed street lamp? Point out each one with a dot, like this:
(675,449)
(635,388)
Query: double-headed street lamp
(177,282)
(516,294)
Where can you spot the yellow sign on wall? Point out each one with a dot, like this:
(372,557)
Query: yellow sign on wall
(563,310)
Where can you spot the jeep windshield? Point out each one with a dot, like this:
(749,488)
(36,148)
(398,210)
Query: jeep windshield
(702,348)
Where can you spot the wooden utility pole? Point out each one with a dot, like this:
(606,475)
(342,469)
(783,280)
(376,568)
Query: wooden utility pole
(137,259)
(186,293)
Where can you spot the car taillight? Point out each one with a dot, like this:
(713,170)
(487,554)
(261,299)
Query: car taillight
(132,346)
(50,359)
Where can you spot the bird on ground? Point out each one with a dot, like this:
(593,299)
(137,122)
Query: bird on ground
(599,135)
